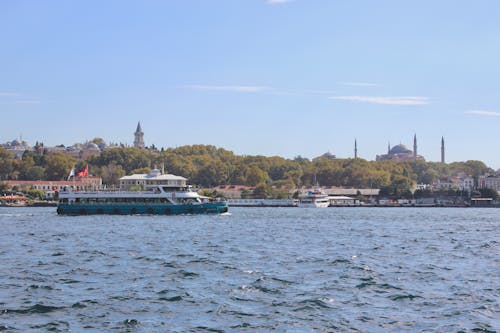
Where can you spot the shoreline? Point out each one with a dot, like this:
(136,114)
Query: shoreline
(54,204)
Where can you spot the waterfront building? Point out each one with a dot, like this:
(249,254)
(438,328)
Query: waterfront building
(139,137)
(481,202)
(489,181)
(143,181)
(422,187)
(460,181)
(340,200)
(467,183)
(370,194)
(12,200)
(51,187)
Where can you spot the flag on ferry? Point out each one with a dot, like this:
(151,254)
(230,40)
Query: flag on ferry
(84,172)
(71,173)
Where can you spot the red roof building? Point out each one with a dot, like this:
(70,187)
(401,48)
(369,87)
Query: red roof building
(50,187)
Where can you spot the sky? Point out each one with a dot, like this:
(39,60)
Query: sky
(257,77)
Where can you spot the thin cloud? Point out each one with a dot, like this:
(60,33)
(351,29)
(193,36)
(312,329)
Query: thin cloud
(15,98)
(359,84)
(483,112)
(242,89)
(8,94)
(26,101)
(402,100)
(320,92)
(277,2)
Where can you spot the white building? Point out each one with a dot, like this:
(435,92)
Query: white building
(468,183)
(490,181)
(152,179)
(461,182)
(423,187)
(340,200)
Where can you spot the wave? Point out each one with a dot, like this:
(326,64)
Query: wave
(37,308)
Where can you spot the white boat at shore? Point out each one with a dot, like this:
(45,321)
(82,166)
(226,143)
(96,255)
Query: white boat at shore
(314,199)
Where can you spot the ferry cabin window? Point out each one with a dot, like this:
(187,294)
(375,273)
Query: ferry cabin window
(120,200)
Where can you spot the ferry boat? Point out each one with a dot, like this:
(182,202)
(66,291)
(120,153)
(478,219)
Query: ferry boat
(162,195)
(161,201)
(314,199)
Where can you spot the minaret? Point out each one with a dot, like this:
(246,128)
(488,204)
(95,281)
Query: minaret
(139,137)
(355,149)
(388,148)
(442,150)
(415,146)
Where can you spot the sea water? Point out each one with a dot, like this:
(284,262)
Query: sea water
(253,270)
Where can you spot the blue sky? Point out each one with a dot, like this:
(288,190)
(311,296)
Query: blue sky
(287,78)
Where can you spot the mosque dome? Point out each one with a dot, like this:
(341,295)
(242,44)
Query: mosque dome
(154,173)
(92,146)
(400,149)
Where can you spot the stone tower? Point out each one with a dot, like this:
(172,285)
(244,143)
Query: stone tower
(442,150)
(139,137)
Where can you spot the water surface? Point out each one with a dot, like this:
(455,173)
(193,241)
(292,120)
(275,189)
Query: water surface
(254,270)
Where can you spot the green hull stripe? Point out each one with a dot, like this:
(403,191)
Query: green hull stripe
(79,209)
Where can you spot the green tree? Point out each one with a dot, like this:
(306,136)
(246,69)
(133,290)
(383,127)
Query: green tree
(212,174)
(145,170)
(488,193)
(245,194)
(179,165)
(36,194)
(211,166)
(238,176)
(255,175)
(4,187)
(6,163)
(426,193)
(35,173)
(58,166)
(401,186)
(111,174)
(261,191)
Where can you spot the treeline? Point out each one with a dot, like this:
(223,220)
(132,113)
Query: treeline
(210,166)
